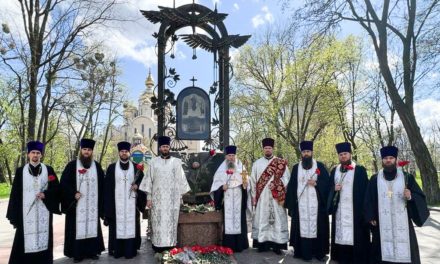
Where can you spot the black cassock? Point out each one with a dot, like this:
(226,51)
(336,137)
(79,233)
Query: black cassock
(15,216)
(122,247)
(238,242)
(358,253)
(417,212)
(81,248)
(307,248)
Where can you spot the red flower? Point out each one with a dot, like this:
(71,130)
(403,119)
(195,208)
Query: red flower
(211,203)
(212,152)
(318,172)
(348,167)
(82,171)
(51,178)
(140,166)
(175,251)
(403,163)
(229,172)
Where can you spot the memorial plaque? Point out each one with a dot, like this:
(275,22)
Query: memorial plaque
(193,114)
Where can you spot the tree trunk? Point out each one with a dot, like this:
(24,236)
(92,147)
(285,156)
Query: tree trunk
(427,169)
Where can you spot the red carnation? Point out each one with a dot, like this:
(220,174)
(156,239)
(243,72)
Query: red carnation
(212,152)
(51,178)
(348,167)
(175,251)
(140,166)
(403,163)
(318,172)
(229,172)
(82,171)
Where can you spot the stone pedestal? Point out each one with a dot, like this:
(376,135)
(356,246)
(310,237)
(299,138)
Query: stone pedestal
(200,229)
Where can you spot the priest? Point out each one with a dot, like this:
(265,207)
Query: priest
(164,183)
(393,202)
(229,191)
(123,204)
(269,178)
(307,195)
(82,185)
(350,240)
(34,198)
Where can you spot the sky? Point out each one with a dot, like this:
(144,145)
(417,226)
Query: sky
(132,42)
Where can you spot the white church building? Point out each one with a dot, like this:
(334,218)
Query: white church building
(140,123)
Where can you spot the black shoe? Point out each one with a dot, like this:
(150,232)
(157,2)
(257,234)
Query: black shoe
(77,260)
(95,257)
(277,251)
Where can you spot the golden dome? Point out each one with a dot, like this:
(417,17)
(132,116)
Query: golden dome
(149,81)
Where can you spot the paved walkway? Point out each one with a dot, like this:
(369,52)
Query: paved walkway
(428,237)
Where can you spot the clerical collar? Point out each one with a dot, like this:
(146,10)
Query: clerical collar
(34,170)
(268,158)
(124,165)
(165,157)
(124,162)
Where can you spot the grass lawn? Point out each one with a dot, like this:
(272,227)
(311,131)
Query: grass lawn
(5,189)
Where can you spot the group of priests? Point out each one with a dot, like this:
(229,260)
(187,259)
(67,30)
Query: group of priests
(372,219)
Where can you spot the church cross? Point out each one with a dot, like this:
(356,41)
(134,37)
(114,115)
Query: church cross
(193,80)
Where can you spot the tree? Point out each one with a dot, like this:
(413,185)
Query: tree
(94,97)
(349,91)
(290,87)
(54,30)
(410,25)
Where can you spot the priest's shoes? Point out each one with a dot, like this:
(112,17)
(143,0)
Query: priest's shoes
(278,251)
(77,260)
(95,257)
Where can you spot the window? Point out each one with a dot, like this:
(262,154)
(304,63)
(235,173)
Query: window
(135,130)
(142,129)
(149,132)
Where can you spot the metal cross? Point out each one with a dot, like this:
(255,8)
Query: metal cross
(193,80)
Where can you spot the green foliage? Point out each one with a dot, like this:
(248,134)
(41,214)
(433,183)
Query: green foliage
(5,190)
(288,92)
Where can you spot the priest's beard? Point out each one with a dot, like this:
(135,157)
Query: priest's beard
(348,162)
(165,153)
(86,161)
(268,155)
(230,165)
(389,168)
(307,162)
(124,159)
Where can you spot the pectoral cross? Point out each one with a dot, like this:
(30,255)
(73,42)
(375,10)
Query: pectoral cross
(390,194)
(125,179)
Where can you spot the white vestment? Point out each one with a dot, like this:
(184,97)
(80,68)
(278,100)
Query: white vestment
(36,223)
(125,204)
(307,202)
(87,215)
(393,219)
(232,197)
(270,219)
(165,183)
(344,234)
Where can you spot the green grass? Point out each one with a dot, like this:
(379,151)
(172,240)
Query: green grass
(5,190)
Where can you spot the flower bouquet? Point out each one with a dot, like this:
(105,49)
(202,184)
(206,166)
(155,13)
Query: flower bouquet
(201,208)
(198,255)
